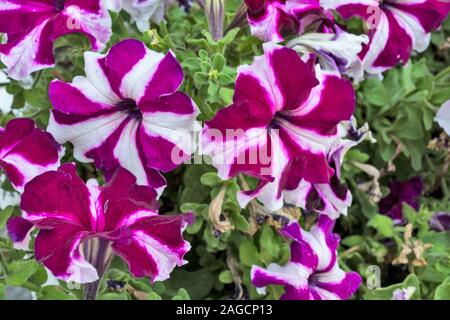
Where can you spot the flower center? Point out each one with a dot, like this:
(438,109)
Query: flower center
(275,122)
(130,107)
(59,4)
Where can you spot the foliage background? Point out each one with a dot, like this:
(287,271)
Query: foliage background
(400,110)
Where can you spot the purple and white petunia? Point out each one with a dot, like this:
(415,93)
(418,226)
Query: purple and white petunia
(335,48)
(141,11)
(121,216)
(396,27)
(281,127)
(32,26)
(271,20)
(127,113)
(26,151)
(440,221)
(313,272)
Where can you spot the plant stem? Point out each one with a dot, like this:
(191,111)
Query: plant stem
(90,290)
(3,263)
(100,255)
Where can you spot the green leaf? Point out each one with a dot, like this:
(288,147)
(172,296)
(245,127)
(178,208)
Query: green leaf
(210,179)
(197,284)
(352,241)
(181,295)
(21,271)
(248,253)
(114,296)
(194,190)
(269,245)
(239,221)
(443,291)
(383,225)
(154,296)
(55,293)
(226,277)
(226,95)
(5,214)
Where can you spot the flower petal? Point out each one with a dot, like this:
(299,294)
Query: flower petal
(33,27)
(26,151)
(154,247)
(59,197)
(19,230)
(65,259)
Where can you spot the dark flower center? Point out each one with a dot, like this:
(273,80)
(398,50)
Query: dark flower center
(129,106)
(275,122)
(59,4)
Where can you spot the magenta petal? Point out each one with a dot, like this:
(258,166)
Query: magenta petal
(293,77)
(121,198)
(26,151)
(166,79)
(59,250)
(33,26)
(58,197)
(154,246)
(345,288)
(18,229)
(121,59)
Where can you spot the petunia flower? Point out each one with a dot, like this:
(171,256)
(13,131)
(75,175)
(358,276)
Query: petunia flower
(32,26)
(333,198)
(396,28)
(335,49)
(26,151)
(440,221)
(271,20)
(313,272)
(81,225)
(141,11)
(443,117)
(126,113)
(407,192)
(281,126)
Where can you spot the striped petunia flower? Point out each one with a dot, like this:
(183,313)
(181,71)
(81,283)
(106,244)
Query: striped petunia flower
(396,27)
(333,198)
(281,127)
(27,151)
(313,272)
(271,20)
(141,11)
(127,113)
(32,26)
(81,225)
(334,48)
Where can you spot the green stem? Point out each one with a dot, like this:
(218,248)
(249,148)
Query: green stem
(443,73)
(4,264)
(31,286)
(37,78)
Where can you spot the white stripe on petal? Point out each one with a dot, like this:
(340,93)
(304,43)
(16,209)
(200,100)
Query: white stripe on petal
(21,59)
(176,128)
(127,153)
(164,257)
(97,77)
(86,135)
(134,83)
